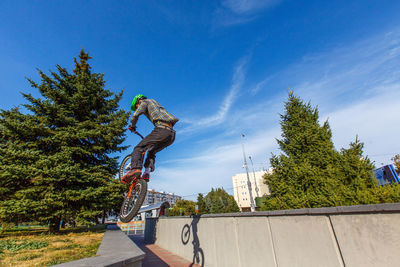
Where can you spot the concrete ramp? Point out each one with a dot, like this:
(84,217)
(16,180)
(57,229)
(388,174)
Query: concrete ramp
(342,236)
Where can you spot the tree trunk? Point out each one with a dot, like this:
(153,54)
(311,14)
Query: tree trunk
(54,226)
(104,217)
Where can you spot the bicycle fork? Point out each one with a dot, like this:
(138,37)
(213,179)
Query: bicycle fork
(135,180)
(131,187)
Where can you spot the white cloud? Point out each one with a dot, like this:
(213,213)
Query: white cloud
(235,12)
(219,117)
(376,122)
(247,6)
(260,85)
(347,74)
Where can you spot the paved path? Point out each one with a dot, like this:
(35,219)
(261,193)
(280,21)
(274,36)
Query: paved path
(159,257)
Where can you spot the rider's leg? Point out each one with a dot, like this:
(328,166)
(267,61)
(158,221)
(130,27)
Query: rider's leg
(151,153)
(137,159)
(136,163)
(138,155)
(157,136)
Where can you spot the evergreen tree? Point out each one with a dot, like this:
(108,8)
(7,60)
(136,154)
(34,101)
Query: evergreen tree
(208,200)
(219,201)
(232,206)
(360,184)
(201,204)
(310,172)
(302,175)
(218,204)
(354,171)
(54,160)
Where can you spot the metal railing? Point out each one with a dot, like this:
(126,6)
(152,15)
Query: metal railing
(132,228)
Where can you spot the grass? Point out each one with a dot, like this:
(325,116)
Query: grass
(35,247)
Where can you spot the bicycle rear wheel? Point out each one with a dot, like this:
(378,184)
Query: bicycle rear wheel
(124,167)
(198,257)
(131,205)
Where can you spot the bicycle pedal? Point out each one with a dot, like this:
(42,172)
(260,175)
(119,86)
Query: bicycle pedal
(146,176)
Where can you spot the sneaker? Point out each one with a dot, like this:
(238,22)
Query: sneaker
(130,175)
(146,176)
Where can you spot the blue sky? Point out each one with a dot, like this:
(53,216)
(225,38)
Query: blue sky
(222,67)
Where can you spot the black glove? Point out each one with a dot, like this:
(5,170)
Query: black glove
(132,128)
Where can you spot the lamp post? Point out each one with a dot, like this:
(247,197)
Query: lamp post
(252,206)
(255,182)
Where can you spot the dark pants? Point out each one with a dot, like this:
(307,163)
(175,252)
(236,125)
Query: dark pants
(156,141)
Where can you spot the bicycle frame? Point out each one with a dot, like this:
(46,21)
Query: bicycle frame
(136,179)
(138,134)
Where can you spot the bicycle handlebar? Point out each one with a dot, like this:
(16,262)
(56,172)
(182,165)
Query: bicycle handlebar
(135,132)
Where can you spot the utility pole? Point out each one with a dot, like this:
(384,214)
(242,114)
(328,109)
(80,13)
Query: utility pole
(255,182)
(252,206)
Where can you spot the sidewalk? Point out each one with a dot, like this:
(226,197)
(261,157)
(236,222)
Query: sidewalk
(159,257)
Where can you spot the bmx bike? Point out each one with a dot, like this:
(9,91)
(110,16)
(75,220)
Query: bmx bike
(133,199)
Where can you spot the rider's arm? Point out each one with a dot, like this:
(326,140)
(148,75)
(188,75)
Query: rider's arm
(139,111)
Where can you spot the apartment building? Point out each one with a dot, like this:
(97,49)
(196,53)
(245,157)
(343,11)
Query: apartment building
(153,197)
(241,190)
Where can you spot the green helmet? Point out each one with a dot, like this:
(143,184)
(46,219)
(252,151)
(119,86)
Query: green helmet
(134,101)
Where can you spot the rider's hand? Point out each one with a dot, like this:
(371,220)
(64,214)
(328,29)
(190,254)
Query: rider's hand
(132,128)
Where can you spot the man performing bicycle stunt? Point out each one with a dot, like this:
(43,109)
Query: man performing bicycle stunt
(162,136)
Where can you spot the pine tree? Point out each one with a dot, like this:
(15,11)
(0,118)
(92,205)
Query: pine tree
(355,171)
(55,159)
(218,204)
(201,204)
(232,206)
(302,175)
(357,176)
(209,200)
(219,201)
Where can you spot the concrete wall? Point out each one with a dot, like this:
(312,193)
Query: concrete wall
(342,236)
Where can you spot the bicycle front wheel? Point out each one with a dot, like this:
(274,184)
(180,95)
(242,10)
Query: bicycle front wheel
(131,205)
(185,234)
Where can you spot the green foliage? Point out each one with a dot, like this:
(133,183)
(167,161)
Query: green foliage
(15,245)
(201,204)
(28,257)
(311,173)
(219,201)
(54,159)
(216,201)
(7,225)
(182,208)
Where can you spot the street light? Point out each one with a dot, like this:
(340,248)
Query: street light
(252,206)
(255,182)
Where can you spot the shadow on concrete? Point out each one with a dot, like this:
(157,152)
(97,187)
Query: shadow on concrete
(150,259)
(198,254)
(150,230)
